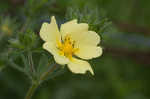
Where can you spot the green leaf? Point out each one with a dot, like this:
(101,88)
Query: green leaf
(95,18)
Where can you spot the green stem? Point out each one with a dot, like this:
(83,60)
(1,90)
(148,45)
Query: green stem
(36,84)
(46,74)
(31,90)
(31,63)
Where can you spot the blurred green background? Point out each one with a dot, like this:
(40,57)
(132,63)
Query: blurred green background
(122,72)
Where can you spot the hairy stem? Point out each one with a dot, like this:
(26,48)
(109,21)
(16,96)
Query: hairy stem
(45,75)
(34,85)
(31,90)
(31,62)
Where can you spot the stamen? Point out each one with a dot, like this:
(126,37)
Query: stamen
(66,47)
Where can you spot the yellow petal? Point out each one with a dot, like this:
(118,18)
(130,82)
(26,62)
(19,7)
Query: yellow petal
(73,27)
(89,52)
(87,42)
(80,66)
(62,60)
(88,38)
(50,32)
(50,47)
(54,51)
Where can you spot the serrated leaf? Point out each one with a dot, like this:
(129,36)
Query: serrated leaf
(15,44)
(13,55)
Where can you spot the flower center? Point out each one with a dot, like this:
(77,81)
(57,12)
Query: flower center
(66,47)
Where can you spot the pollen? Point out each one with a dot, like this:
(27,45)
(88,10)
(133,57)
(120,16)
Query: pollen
(66,47)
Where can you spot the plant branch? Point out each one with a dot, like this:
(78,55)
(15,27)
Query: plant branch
(31,90)
(35,84)
(31,62)
(46,74)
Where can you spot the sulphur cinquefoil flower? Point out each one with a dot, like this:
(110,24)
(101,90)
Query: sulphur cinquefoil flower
(71,45)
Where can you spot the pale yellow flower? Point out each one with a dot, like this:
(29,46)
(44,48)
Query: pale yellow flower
(70,44)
